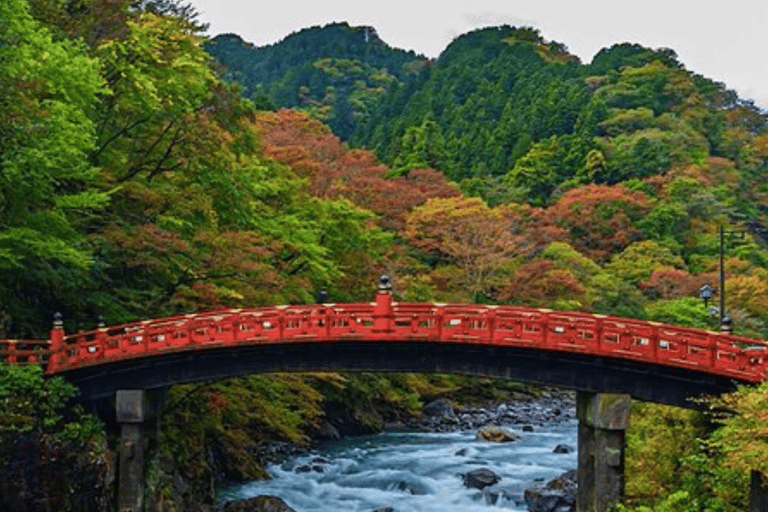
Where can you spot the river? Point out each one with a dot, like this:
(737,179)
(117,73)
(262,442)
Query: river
(416,472)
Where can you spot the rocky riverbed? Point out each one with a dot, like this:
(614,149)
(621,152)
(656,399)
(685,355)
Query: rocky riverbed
(440,415)
(489,474)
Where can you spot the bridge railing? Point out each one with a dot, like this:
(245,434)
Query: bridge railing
(384,321)
(737,357)
(25,351)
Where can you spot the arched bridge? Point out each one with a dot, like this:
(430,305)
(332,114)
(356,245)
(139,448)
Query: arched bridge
(648,360)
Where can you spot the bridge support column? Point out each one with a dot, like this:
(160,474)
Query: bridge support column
(138,415)
(603,420)
(758,493)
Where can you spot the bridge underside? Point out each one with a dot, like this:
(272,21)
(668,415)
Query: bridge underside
(662,384)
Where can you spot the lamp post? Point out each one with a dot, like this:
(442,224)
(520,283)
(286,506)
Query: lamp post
(722,276)
(726,322)
(705,293)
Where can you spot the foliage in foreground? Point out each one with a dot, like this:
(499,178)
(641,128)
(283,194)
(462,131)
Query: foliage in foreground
(52,453)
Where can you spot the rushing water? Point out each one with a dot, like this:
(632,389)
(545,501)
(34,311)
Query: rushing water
(415,472)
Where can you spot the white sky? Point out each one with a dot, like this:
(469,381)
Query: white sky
(722,40)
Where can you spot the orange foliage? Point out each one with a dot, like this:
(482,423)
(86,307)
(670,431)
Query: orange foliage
(312,151)
(670,283)
(598,218)
(480,241)
(539,281)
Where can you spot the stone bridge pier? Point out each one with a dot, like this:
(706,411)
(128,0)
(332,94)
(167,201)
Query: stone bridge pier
(138,418)
(603,421)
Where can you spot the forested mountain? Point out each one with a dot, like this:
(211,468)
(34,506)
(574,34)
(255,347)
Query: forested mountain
(511,116)
(337,72)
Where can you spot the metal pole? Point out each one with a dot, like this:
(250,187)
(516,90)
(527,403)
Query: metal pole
(722,276)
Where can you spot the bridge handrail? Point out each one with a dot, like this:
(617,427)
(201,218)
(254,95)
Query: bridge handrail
(735,357)
(25,351)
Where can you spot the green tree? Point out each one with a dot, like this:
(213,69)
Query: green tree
(640,259)
(49,92)
(540,170)
(47,445)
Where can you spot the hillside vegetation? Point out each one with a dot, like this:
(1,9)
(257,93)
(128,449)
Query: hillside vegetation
(138,179)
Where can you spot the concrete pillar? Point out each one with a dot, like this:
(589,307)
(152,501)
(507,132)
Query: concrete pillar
(603,420)
(138,416)
(758,493)
(131,414)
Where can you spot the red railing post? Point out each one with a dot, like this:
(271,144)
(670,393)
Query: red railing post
(490,324)
(57,344)
(382,312)
(439,314)
(11,357)
(712,351)
(281,324)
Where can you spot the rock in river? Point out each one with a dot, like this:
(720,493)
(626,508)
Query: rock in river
(480,478)
(258,504)
(496,434)
(557,495)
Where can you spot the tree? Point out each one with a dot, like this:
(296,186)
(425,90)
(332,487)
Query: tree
(541,284)
(640,259)
(49,91)
(539,171)
(743,432)
(480,241)
(313,152)
(52,454)
(159,79)
(600,219)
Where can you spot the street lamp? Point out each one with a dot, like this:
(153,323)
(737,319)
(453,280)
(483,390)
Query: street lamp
(726,322)
(705,293)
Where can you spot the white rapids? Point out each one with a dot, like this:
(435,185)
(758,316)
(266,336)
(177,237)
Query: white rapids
(416,472)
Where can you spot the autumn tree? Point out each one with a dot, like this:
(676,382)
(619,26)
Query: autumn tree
(558,277)
(600,219)
(540,283)
(333,171)
(464,232)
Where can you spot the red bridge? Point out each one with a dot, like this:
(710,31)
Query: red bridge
(606,359)
(648,360)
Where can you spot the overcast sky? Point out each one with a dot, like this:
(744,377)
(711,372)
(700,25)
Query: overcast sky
(722,40)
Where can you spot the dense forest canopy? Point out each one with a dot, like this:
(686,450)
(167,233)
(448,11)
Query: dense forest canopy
(142,177)
(146,170)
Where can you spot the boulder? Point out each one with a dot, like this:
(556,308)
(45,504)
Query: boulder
(557,495)
(563,448)
(257,504)
(327,431)
(480,478)
(496,434)
(306,468)
(440,409)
